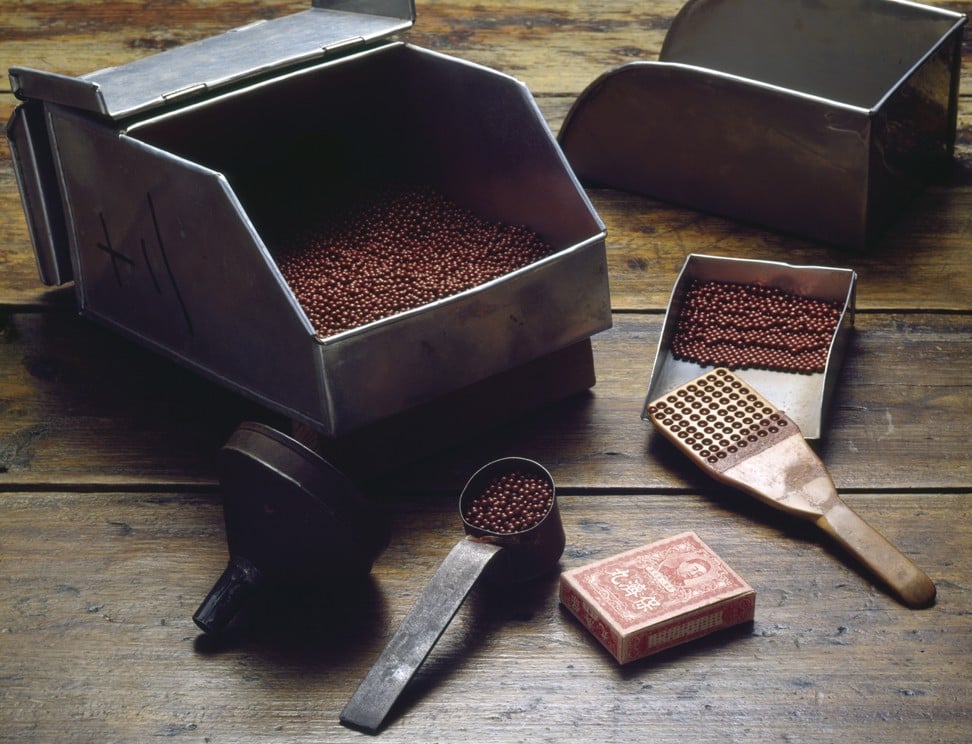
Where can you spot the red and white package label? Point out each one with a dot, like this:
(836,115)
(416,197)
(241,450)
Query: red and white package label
(654,583)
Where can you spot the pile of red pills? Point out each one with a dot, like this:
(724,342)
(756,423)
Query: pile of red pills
(511,502)
(398,251)
(751,326)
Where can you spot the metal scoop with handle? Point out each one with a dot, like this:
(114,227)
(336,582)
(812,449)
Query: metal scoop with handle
(509,557)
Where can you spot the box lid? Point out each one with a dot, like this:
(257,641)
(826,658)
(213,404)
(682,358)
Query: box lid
(329,28)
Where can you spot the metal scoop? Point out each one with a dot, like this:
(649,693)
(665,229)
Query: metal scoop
(510,557)
(738,437)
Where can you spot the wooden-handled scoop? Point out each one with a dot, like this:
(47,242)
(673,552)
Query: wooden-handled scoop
(740,438)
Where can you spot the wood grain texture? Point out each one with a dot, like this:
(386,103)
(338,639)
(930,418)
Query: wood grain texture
(103,648)
(557,51)
(111,528)
(648,241)
(67,386)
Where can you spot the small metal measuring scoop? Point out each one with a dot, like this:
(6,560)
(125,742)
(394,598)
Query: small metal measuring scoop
(292,519)
(510,557)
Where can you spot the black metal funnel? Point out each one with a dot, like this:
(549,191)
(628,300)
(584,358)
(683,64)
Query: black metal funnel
(291,519)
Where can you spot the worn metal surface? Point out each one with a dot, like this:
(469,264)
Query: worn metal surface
(805,397)
(506,558)
(813,118)
(413,640)
(166,219)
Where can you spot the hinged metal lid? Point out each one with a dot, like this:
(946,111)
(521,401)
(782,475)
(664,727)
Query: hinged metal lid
(186,72)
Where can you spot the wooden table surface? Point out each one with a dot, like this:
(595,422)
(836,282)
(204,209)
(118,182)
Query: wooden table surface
(111,528)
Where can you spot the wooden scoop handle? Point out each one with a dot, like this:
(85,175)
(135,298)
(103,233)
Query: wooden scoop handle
(902,576)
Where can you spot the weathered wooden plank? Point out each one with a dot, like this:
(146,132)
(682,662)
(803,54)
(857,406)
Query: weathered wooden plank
(915,266)
(894,419)
(98,586)
(923,266)
(921,263)
(557,52)
(556,48)
(81,405)
(145,423)
(97,643)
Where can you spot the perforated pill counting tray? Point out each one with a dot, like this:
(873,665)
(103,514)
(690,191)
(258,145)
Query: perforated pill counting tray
(813,117)
(153,186)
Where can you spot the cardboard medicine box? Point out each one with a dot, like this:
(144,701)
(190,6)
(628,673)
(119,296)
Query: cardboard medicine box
(657,596)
